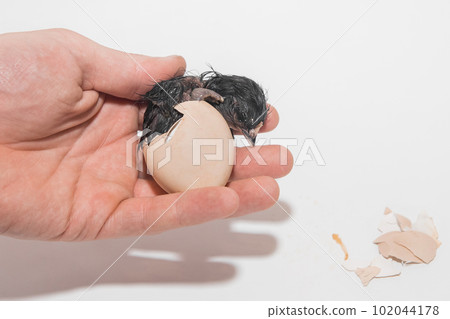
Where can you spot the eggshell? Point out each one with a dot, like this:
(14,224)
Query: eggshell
(388,223)
(388,267)
(401,242)
(355,262)
(198,151)
(367,274)
(379,267)
(409,246)
(426,225)
(403,222)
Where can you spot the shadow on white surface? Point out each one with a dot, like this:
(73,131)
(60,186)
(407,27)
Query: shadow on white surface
(30,268)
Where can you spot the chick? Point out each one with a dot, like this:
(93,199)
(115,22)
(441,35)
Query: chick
(240,100)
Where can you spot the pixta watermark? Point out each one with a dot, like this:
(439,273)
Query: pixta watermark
(210,149)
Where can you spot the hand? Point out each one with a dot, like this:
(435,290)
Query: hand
(66,112)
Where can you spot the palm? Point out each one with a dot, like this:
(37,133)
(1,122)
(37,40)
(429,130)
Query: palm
(101,179)
(85,167)
(104,179)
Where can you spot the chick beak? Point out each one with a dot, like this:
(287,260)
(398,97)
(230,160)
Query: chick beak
(250,136)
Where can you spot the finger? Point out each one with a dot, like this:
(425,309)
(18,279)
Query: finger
(146,187)
(135,215)
(270,160)
(130,76)
(124,74)
(271,121)
(255,194)
(274,166)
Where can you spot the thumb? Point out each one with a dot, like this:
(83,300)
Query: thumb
(124,74)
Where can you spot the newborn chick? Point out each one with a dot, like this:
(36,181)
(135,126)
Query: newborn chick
(240,100)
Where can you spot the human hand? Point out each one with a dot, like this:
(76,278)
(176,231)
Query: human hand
(66,112)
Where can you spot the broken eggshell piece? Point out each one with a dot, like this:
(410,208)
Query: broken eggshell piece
(367,274)
(425,224)
(401,242)
(408,246)
(393,222)
(198,150)
(388,267)
(403,222)
(388,223)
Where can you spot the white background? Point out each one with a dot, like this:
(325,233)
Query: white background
(376,103)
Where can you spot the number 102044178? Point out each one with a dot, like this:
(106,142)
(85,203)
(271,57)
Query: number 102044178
(420,310)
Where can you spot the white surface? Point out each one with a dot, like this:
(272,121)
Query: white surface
(376,104)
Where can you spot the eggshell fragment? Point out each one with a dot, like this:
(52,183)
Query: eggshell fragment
(353,263)
(388,223)
(400,253)
(420,244)
(403,222)
(367,274)
(388,267)
(198,151)
(425,224)
(400,242)
(402,245)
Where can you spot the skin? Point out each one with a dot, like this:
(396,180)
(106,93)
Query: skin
(66,111)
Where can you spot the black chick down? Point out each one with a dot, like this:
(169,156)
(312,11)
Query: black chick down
(240,100)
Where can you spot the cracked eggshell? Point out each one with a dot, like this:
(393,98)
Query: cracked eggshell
(420,244)
(403,222)
(408,246)
(425,224)
(388,223)
(388,267)
(353,263)
(390,249)
(367,274)
(177,160)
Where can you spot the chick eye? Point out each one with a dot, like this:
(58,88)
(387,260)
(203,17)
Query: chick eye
(241,113)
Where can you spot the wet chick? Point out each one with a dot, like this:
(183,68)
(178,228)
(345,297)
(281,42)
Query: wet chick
(240,100)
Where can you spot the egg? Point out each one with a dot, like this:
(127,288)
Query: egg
(197,151)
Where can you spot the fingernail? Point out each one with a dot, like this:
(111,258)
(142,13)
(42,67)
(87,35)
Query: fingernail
(172,56)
